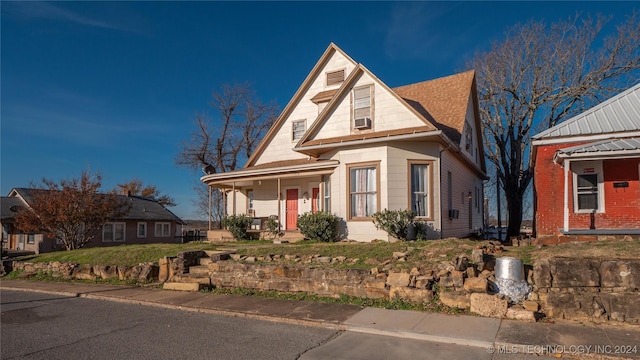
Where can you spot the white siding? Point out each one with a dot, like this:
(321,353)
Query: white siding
(476,154)
(388,113)
(280,146)
(398,176)
(464,182)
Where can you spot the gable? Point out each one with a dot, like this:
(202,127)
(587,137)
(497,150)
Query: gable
(387,112)
(315,92)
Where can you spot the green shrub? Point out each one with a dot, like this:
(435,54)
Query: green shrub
(273,226)
(320,226)
(394,222)
(237,225)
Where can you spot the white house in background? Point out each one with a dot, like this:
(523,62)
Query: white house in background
(348,144)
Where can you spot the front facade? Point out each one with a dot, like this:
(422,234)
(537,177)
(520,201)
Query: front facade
(586,173)
(146,222)
(348,144)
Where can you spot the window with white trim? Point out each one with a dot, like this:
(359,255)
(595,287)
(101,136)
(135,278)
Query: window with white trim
(31,239)
(113,232)
(363,190)
(326,193)
(419,186)
(142,229)
(588,187)
(298,128)
(163,229)
(587,192)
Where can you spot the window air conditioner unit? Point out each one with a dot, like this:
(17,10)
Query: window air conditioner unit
(453,214)
(362,123)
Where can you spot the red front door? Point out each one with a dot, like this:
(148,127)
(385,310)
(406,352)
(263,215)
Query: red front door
(292,209)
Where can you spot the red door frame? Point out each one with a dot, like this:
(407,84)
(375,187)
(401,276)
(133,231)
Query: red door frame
(292,209)
(315,193)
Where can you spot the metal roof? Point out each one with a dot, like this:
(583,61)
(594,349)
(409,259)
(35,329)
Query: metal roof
(629,144)
(620,113)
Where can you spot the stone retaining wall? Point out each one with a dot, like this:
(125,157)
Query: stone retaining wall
(142,272)
(589,289)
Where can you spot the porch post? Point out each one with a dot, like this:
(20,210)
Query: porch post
(210,207)
(566,195)
(279,212)
(233,198)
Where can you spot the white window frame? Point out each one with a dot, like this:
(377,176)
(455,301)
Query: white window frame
(114,227)
(367,192)
(161,227)
(427,192)
(468,137)
(144,235)
(297,134)
(326,194)
(578,168)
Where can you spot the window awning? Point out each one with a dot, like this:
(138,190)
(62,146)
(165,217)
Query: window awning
(611,148)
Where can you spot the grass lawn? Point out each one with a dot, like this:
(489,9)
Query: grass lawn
(421,254)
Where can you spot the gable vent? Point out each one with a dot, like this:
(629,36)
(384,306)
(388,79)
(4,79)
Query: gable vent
(335,77)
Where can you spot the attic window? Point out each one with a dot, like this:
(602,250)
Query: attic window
(362,107)
(468,137)
(298,128)
(335,77)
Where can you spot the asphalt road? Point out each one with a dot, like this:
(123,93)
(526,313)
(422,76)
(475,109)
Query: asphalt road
(43,326)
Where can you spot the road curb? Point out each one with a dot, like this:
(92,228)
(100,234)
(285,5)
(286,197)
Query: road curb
(53,292)
(418,336)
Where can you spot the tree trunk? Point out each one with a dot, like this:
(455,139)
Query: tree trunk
(514,208)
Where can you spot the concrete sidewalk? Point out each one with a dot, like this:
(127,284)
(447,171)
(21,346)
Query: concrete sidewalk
(571,339)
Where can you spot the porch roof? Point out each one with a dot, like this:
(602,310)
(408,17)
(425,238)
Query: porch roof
(278,169)
(610,148)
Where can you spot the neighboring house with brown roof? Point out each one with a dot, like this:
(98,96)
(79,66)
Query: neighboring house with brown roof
(147,221)
(348,144)
(587,173)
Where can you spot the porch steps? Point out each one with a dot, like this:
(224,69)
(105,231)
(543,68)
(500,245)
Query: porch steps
(192,278)
(181,286)
(200,270)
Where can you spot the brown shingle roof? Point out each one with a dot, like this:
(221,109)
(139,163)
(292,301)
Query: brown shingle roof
(324,96)
(442,101)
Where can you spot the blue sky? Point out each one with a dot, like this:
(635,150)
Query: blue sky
(114,86)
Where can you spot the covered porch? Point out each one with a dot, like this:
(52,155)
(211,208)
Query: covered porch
(280,190)
(601,194)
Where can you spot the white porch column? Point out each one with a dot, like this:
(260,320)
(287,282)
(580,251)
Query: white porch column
(566,165)
(210,189)
(233,198)
(279,211)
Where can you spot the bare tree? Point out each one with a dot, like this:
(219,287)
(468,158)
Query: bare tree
(72,211)
(136,187)
(201,203)
(540,75)
(219,144)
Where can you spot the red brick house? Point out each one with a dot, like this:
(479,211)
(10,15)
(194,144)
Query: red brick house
(586,174)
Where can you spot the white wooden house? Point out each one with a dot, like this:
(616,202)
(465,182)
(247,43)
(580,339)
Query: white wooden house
(348,144)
